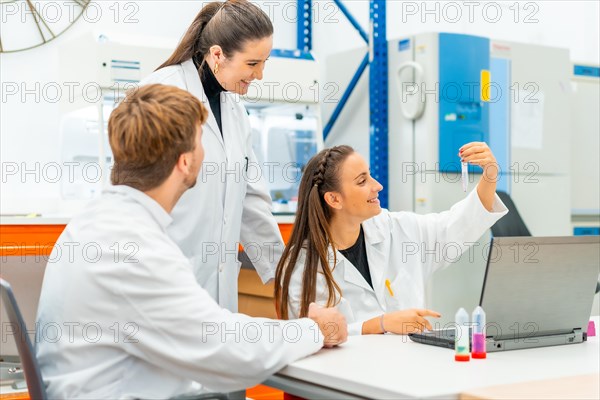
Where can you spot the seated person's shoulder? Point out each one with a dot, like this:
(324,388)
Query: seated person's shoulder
(171,75)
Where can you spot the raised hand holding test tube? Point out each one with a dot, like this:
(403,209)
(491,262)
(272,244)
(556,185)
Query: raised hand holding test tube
(478,153)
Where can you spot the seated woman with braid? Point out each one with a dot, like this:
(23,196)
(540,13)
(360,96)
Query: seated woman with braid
(345,250)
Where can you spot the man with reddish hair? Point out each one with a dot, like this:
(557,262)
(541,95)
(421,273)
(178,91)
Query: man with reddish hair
(121,314)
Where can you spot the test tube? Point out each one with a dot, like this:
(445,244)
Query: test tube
(461,339)
(464,177)
(478,340)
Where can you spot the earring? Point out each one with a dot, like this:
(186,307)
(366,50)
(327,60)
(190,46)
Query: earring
(216,69)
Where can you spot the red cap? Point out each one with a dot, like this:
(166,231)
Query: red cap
(591,331)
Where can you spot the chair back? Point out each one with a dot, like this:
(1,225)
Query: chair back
(511,224)
(31,368)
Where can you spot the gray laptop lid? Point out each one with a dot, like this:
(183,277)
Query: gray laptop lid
(540,286)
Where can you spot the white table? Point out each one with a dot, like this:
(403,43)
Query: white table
(63,219)
(394,367)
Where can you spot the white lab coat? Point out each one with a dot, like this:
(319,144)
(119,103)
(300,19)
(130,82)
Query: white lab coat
(404,248)
(121,315)
(227,205)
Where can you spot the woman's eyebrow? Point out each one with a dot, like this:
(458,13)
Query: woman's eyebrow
(360,175)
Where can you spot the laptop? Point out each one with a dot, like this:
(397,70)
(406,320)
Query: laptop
(537,291)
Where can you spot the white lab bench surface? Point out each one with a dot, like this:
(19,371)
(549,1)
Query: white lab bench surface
(42,220)
(393,367)
(64,219)
(286,218)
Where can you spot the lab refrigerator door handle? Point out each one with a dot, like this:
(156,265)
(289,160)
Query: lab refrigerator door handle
(412,102)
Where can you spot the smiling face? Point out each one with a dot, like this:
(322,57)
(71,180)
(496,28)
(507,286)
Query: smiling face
(236,72)
(357,198)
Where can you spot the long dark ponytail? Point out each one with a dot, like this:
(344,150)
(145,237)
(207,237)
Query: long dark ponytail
(229,24)
(312,232)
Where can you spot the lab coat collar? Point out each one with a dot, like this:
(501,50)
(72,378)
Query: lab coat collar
(154,209)
(349,272)
(373,237)
(194,85)
(373,234)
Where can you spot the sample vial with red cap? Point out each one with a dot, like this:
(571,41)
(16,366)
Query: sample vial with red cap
(478,335)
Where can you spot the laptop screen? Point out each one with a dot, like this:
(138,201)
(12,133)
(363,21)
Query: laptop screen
(536,286)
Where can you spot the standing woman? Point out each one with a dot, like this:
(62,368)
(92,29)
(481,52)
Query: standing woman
(221,53)
(373,264)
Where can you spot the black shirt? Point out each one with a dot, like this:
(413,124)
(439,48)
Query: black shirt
(212,89)
(357,255)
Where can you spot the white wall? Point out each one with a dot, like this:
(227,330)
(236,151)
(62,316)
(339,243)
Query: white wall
(29,127)
(568,24)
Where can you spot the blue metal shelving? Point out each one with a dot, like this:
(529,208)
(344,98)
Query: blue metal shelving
(377,59)
(304,28)
(378,98)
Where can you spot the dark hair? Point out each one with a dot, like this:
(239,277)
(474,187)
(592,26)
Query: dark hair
(148,132)
(229,24)
(312,232)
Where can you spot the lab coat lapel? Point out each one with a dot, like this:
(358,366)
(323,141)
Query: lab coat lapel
(194,85)
(377,261)
(351,274)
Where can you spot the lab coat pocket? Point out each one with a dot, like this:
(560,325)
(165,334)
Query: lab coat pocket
(408,287)
(391,302)
(250,173)
(393,292)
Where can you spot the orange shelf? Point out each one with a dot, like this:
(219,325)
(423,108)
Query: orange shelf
(15,396)
(18,240)
(262,392)
(286,232)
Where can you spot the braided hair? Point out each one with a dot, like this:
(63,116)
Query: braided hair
(312,232)
(319,174)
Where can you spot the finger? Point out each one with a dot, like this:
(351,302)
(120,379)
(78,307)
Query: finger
(471,146)
(337,339)
(419,324)
(474,151)
(478,156)
(333,341)
(423,323)
(411,327)
(467,146)
(335,333)
(475,160)
(428,313)
(483,163)
(428,324)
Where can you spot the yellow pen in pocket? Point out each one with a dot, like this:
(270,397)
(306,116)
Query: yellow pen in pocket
(388,285)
